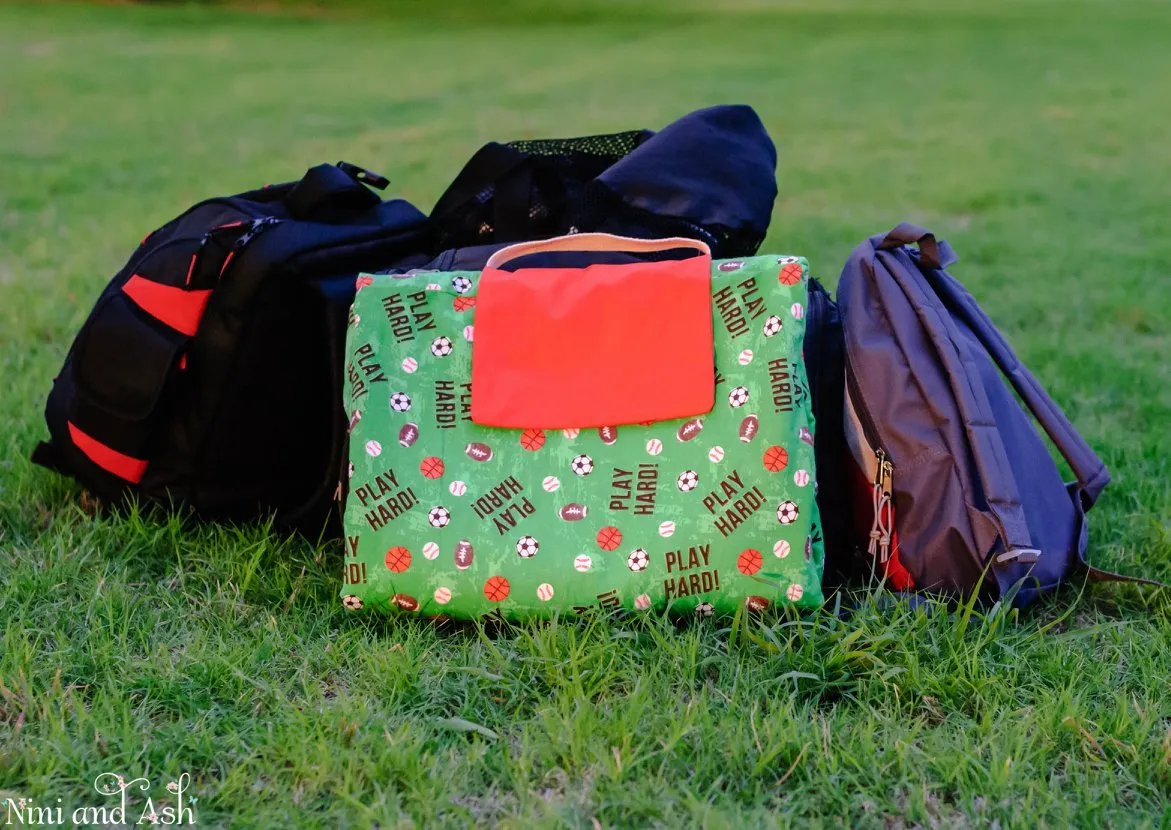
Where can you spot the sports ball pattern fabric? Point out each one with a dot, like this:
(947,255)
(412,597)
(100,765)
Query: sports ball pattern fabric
(446,517)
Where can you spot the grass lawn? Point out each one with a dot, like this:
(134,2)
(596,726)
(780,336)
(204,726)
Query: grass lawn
(1034,135)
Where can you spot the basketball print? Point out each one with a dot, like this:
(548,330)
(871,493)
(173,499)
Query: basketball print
(781,549)
(609,538)
(791,273)
(551,484)
(532,439)
(582,563)
(458,488)
(544,592)
(463,303)
(398,559)
(642,602)
(776,459)
(654,446)
(749,562)
(442,595)
(801,478)
(431,467)
(410,365)
(431,551)
(373,449)
(363,281)
(715,454)
(667,529)
(496,588)
(798,311)
(745,357)
(795,592)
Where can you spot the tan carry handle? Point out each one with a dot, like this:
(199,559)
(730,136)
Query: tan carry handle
(593,242)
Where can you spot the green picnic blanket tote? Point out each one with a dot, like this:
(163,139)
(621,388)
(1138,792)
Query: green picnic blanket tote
(698,514)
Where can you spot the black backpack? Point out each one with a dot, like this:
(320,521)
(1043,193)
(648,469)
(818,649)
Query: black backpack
(209,373)
(936,477)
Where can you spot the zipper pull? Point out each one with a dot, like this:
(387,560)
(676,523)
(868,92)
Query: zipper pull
(361,174)
(880,532)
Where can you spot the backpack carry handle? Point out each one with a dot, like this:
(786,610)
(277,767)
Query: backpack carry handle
(582,242)
(1088,468)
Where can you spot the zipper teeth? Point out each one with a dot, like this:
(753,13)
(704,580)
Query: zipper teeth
(881,497)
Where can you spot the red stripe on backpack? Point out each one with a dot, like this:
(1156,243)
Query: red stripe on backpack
(108,458)
(178,308)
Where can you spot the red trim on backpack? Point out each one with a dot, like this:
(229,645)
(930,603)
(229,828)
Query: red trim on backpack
(174,306)
(227,259)
(190,270)
(109,459)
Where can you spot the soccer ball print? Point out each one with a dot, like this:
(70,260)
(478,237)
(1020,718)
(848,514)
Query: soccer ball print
(464,520)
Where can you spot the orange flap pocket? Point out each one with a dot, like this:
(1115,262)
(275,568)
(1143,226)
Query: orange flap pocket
(603,345)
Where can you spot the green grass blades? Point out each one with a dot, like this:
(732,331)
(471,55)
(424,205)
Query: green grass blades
(1031,134)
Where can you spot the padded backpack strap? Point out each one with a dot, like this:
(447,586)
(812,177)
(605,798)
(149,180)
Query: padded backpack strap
(328,188)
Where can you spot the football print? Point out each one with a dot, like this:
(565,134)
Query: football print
(408,435)
(527,547)
(551,484)
(573,512)
(748,428)
(787,512)
(772,325)
(638,560)
(442,595)
(731,265)
(441,346)
(642,602)
(463,303)
(431,550)
(373,449)
(609,538)
(544,592)
(532,439)
(805,435)
(688,480)
(688,430)
(755,603)
(738,396)
(398,559)
(461,285)
(582,563)
(464,553)
(704,609)
(405,602)
(667,529)
(608,435)
(776,459)
(582,465)
(410,365)
(791,273)
(439,516)
(749,562)
(496,588)
(352,602)
(478,452)
(400,402)
(431,467)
